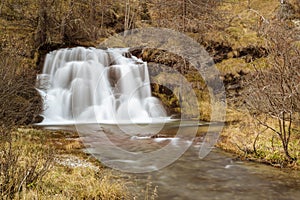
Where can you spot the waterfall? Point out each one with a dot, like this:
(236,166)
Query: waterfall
(94,85)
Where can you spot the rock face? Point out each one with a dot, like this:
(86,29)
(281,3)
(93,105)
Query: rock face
(158,64)
(161,63)
(220,52)
(114,75)
(169,68)
(174,61)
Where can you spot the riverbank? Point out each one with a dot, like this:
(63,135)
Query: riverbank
(74,173)
(69,173)
(245,138)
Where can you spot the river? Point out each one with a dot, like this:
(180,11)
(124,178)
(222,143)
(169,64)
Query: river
(219,175)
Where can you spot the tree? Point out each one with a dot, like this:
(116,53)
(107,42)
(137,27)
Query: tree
(185,15)
(273,94)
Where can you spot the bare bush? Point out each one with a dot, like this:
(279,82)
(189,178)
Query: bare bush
(20,103)
(22,165)
(273,93)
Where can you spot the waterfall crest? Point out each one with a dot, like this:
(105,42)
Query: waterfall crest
(88,85)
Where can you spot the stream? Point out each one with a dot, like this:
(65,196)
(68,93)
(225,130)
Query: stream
(83,85)
(219,175)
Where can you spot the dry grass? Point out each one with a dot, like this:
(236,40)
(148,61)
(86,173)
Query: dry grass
(244,19)
(79,183)
(22,166)
(71,174)
(246,24)
(244,137)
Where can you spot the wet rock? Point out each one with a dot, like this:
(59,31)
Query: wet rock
(38,119)
(114,75)
(136,51)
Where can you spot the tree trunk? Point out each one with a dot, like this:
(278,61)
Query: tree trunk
(41,30)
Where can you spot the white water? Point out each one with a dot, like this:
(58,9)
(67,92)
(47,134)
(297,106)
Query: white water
(87,85)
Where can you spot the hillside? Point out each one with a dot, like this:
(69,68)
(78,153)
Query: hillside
(254,44)
(242,36)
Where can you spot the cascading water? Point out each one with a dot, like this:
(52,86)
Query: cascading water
(94,85)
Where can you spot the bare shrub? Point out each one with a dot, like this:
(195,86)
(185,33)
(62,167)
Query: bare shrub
(20,103)
(22,165)
(272,95)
